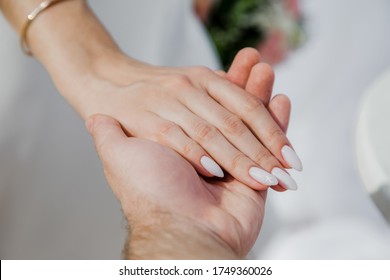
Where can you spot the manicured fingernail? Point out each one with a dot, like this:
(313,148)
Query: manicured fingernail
(291,157)
(263,177)
(211,166)
(285,180)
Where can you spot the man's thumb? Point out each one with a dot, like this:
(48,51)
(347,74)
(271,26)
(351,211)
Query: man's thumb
(106,132)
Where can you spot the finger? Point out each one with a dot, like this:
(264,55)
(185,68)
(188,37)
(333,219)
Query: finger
(170,134)
(280,109)
(261,81)
(241,67)
(256,116)
(106,132)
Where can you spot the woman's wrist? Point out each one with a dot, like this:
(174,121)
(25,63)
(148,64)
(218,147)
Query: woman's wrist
(69,38)
(79,54)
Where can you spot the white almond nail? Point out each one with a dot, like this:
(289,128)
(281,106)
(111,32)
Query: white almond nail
(211,166)
(263,177)
(291,157)
(285,180)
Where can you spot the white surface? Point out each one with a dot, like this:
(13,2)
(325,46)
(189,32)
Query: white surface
(372,143)
(373,135)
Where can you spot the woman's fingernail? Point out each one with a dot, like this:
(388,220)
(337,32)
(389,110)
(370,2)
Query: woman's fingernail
(211,166)
(291,157)
(263,177)
(285,180)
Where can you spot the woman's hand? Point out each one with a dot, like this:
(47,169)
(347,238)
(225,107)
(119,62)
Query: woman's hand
(203,116)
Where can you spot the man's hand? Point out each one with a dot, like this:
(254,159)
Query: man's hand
(156,186)
(172,211)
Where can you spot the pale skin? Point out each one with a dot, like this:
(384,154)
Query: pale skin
(193,110)
(174,213)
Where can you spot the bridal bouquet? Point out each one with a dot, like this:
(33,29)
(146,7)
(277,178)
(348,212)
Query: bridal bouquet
(272,26)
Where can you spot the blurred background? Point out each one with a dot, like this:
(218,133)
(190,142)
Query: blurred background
(330,58)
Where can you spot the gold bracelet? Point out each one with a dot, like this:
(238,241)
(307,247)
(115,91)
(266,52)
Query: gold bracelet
(30,18)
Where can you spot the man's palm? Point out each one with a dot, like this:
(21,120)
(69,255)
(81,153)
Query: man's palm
(142,172)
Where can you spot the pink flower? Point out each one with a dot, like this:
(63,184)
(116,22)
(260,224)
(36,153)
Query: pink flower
(293,7)
(274,49)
